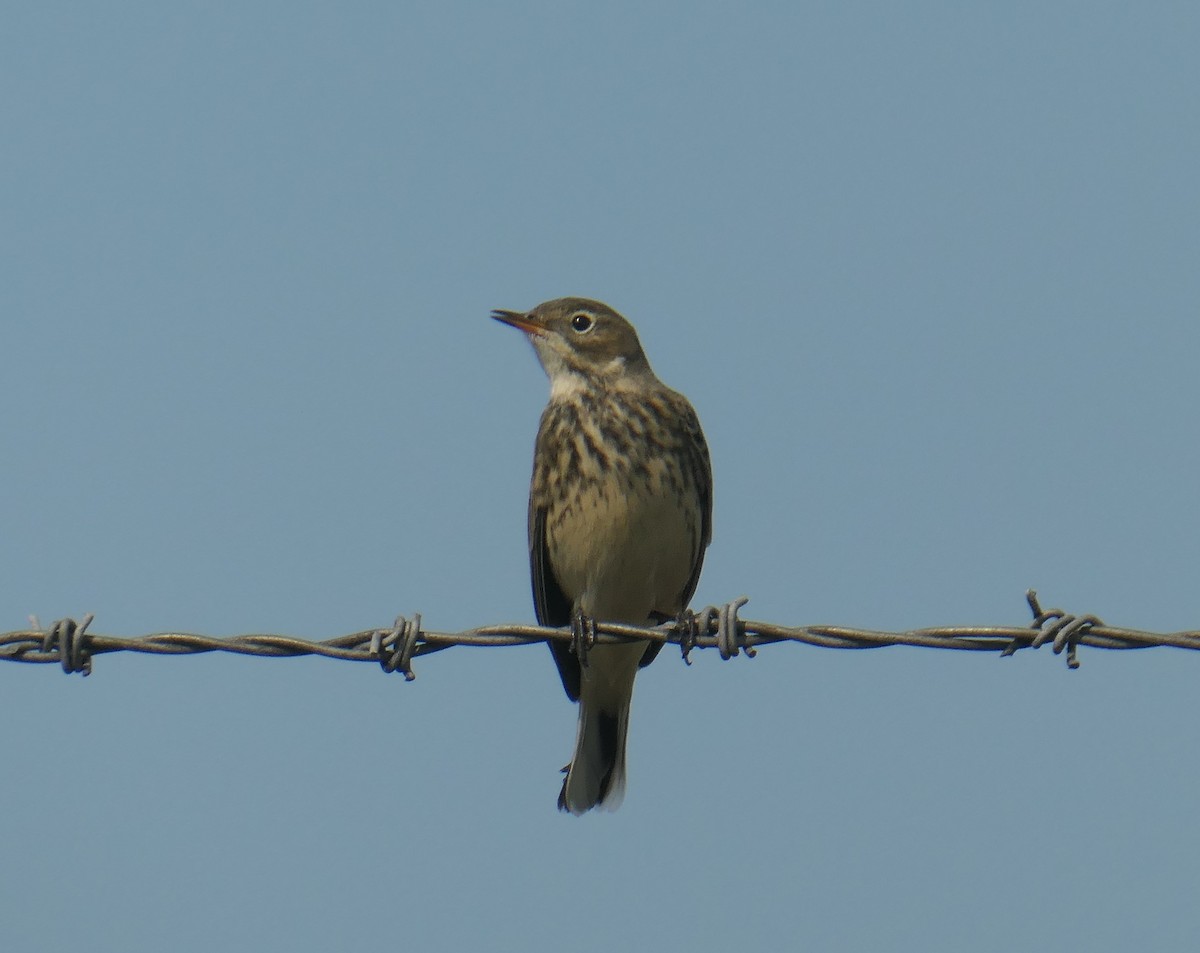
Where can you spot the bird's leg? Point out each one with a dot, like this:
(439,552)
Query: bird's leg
(653,648)
(583,635)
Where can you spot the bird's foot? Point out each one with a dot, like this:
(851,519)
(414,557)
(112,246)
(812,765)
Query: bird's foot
(688,626)
(583,636)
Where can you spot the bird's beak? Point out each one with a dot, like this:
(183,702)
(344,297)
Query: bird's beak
(522,322)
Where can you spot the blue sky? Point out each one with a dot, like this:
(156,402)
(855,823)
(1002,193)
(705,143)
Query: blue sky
(927,272)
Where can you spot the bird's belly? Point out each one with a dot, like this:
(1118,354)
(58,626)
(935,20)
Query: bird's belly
(626,555)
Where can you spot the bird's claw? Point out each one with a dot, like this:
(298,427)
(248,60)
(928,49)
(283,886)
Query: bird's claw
(687,624)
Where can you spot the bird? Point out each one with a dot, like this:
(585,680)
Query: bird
(620,516)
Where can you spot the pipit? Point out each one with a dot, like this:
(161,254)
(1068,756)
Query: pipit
(620,513)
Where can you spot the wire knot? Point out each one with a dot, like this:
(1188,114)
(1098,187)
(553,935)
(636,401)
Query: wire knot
(1062,629)
(68,637)
(731,631)
(395,647)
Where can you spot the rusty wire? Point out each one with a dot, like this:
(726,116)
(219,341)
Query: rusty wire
(69,644)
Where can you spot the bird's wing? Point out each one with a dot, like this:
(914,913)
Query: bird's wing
(552,606)
(696,451)
(696,460)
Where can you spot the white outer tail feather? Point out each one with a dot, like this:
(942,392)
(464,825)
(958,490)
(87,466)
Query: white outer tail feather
(606,687)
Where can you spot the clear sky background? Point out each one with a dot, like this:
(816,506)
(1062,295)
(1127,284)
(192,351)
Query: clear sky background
(929,273)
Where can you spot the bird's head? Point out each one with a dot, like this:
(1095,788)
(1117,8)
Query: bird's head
(579,340)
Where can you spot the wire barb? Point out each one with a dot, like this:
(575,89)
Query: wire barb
(394,647)
(1060,628)
(731,633)
(68,639)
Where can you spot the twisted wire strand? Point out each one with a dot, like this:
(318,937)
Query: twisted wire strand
(70,645)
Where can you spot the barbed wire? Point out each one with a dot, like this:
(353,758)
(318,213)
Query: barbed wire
(69,644)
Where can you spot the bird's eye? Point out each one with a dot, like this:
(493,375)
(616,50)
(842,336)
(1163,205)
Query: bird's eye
(581,322)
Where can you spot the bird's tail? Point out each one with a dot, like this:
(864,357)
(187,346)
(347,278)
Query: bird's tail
(596,774)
